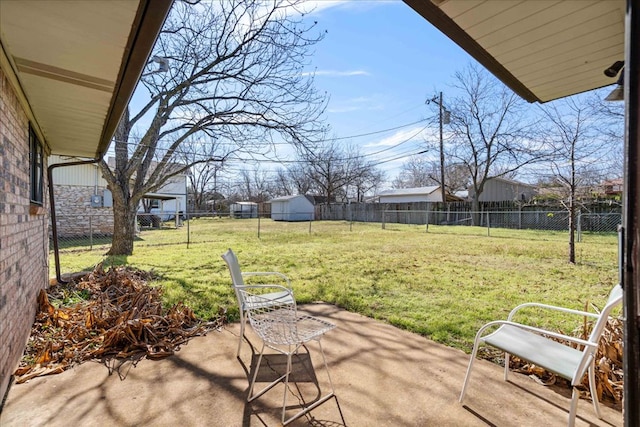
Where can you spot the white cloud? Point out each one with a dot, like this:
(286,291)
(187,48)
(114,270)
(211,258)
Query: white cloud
(416,133)
(333,73)
(316,7)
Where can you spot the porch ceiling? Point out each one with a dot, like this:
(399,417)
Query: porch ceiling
(542,50)
(78,62)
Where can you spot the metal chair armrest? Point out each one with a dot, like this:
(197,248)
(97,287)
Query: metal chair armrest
(551,307)
(266,286)
(267,273)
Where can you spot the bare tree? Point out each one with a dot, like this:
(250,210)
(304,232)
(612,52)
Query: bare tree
(283,185)
(418,171)
(202,178)
(229,70)
(332,168)
(415,172)
(366,182)
(255,185)
(491,134)
(301,178)
(610,123)
(580,148)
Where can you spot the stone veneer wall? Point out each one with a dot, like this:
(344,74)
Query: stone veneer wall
(24,248)
(76,217)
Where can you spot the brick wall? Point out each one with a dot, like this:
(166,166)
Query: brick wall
(23,237)
(74,214)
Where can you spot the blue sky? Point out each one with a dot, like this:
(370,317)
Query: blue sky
(379,62)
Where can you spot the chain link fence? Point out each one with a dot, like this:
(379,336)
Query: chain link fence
(515,220)
(93,232)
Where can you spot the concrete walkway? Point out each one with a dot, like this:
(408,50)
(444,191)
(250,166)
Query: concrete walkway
(383,376)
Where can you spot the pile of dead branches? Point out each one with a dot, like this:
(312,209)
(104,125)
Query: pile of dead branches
(118,315)
(609,369)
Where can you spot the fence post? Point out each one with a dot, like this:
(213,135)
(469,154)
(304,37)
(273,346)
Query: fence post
(188,230)
(258,225)
(383,215)
(310,221)
(427,226)
(579,226)
(488,225)
(90,232)
(519,217)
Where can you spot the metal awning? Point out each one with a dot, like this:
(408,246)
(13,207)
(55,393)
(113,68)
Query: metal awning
(542,50)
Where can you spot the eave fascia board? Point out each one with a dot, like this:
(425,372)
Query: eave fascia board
(144,32)
(448,27)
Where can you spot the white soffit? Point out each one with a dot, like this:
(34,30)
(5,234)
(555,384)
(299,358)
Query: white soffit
(543,50)
(68,56)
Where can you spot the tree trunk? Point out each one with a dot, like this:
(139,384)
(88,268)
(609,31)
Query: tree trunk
(475,209)
(572,229)
(124,229)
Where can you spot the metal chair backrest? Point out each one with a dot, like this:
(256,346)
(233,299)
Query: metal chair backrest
(231,260)
(615,297)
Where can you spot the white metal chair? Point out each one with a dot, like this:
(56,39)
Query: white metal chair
(534,345)
(283,329)
(237,277)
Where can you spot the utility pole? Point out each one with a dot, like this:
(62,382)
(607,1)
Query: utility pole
(444,118)
(442,187)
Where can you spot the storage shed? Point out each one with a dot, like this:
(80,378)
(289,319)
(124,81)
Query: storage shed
(409,195)
(243,210)
(292,208)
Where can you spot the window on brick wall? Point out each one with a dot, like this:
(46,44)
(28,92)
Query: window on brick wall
(36,165)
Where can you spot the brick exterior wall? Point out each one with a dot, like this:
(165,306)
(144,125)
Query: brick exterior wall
(23,237)
(76,217)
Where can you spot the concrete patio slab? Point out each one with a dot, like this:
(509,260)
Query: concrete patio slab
(383,376)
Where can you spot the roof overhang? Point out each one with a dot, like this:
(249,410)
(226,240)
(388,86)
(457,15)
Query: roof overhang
(542,50)
(77,64)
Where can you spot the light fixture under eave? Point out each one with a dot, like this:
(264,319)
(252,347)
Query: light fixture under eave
(617,69)
(616,94)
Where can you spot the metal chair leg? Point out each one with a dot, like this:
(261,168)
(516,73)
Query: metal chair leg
(593,389)
(242,325)
(466,377)
(574,406)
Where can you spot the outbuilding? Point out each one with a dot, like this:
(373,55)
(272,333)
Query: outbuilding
(410,195)
(292,208)
(243,210)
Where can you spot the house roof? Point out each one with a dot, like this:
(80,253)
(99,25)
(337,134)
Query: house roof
(541,50)
(416,191)
(76,64)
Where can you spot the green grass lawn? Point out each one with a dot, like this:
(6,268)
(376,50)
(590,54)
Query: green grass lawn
(444,283)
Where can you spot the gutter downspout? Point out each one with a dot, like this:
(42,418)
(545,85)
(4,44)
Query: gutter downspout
(52,209)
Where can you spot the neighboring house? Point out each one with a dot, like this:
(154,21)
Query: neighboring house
(67,71)
(243,210)
(410,195)
(613,187)
(292,208)
(83,203)
(169,199)
(503,190)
